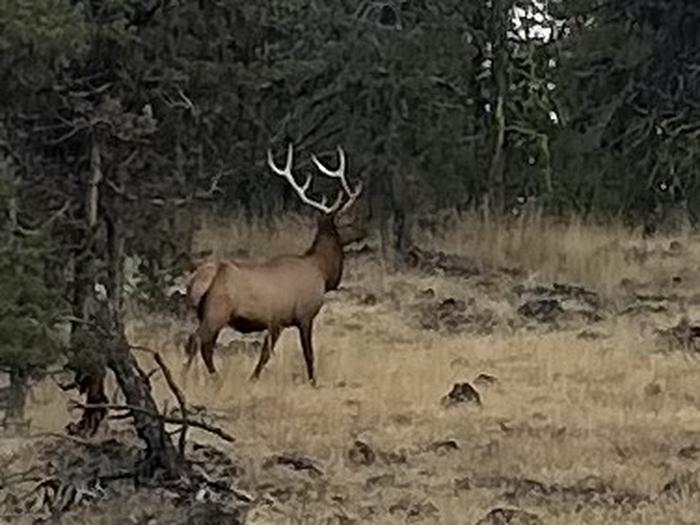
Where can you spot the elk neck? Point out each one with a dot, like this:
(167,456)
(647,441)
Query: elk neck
(326,251)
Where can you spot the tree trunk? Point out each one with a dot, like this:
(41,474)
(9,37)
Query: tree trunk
(104,323)
(399,197)
(16,400)
(161,454)
(500,88)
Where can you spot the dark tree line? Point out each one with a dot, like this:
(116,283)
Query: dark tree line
(116,115)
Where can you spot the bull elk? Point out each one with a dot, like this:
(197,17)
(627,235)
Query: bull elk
(276,293)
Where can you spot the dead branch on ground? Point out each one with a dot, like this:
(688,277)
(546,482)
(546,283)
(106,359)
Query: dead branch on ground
(166,419)
(174,389)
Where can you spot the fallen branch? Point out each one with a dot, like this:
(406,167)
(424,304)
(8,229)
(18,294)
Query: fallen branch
(166,419)
(175,390)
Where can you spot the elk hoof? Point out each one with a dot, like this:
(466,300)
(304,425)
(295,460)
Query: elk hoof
(313,383)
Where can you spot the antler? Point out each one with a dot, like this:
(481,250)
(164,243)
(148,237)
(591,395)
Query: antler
(339,174)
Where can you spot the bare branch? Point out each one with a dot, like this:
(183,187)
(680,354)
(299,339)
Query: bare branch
(214,188)
(37,230)
(185,102)
(175,390)
(165,419)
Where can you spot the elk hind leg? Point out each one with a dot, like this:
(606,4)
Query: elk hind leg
(268,346)
(305,335)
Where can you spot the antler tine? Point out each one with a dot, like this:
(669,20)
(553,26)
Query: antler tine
(339,174)
(286,173)
(352,198)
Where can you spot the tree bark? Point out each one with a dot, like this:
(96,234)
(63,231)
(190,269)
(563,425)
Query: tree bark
(162,456)
(500,88)
(16,400)
(101,316)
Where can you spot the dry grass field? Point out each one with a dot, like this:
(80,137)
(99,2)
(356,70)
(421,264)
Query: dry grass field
(586,415)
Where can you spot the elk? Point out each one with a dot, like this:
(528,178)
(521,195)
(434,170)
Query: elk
(275,293)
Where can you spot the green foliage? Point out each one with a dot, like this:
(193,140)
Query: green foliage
(30,304)
(29,307)
(594,118)
(38,36)
(627,86)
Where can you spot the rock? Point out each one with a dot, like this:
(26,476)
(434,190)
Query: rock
(451,304)
(413,510)
(684,485)
(382,480)
(484,380)
(591,335)
(652,390)
(542,310)
(644,309)
(509,516)
(361,454)
(461,394)
(444,446)
(463,484)
(393,457)
(425,295)
(690,452)
(682,336)
(428,319)
(560,302)
(369,300)
(298,463)
(675,248)
(451,314)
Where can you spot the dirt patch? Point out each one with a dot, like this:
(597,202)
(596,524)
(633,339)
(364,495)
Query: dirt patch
(561,305)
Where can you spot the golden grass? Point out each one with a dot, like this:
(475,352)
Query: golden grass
(599,256)
(562,409)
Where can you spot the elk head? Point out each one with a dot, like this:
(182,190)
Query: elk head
(328,243)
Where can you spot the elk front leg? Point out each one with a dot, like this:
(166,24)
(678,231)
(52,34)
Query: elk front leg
(305,335)
(207,351)
(268,346)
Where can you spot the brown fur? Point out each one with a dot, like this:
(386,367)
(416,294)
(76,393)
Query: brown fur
(269,295)
(281,292)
